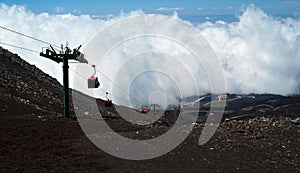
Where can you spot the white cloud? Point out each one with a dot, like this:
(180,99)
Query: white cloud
(75,11)
(199,8)
(59,9)
(258,53)
(109,15)
(164,9)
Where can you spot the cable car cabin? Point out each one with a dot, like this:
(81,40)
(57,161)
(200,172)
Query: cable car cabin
(93,82)
(108,103)
(144,110)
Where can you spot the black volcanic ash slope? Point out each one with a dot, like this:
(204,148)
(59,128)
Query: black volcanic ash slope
(24,88)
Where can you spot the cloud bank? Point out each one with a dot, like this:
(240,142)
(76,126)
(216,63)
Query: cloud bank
(259,53)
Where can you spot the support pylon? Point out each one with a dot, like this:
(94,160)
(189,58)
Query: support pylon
(64,56)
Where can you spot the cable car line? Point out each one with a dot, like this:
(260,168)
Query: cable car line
(24,35)
(119,86)
(83,77)
(19,47)
(27,49)
(39,40)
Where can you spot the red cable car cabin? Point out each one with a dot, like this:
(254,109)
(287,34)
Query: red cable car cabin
(108,103)
(93,82)
(144,110)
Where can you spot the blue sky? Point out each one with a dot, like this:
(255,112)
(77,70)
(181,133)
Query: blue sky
(183,7)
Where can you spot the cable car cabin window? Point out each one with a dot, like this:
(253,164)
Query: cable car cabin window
(108,103)
(93,82)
